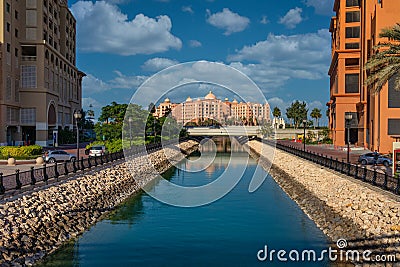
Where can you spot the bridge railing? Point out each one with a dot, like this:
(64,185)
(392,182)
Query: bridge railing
(361,173)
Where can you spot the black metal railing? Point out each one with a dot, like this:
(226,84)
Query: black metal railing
(379,179)
(58,171)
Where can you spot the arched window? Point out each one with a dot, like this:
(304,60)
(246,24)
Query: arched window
(51,116)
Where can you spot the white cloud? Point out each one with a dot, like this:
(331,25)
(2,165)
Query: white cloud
(102,27)
(157,64)
(292,18)
(227,20)
(194,43)
(92,85)
(264,20)
(322,7)
(187,9)
(280,57)
(87,101)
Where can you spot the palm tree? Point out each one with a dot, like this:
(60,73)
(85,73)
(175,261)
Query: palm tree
(277,112)
(386,62)
(316,114)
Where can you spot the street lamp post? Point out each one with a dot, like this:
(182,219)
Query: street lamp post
(130,132)
(77,116)
(348,117)
(304,134)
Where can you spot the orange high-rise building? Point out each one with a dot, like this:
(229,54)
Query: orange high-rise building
(355,32)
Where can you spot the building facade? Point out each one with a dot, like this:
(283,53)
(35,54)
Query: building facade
(222,111)
(40,83)
(355,32)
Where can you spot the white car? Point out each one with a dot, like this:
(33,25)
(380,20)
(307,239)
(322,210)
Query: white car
(58,155)
(97,151)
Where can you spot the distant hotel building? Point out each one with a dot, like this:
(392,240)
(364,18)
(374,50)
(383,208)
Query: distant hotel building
(40,84)
(209,107)
(355,31)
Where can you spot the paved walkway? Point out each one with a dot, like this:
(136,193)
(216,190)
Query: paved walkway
(330,151)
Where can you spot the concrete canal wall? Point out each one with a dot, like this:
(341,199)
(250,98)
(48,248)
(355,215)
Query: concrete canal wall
(342,207)
(40,222)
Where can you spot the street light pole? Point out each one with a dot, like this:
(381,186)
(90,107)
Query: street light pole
(304,135)
(348,117)
(77,116)
(130,132)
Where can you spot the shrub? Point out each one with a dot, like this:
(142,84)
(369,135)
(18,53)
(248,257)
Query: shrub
(20,152)
(111,146)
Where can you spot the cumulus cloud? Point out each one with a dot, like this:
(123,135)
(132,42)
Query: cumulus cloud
(322,7)
(194,43)
(92,85)
(187,9)
(303,56)
(227,20)
(264,20)
(292,18)
(102,27)
(157,64)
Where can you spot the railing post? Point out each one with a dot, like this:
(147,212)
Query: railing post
(82,166)
(348,168)
(65,168)
(331,163)
(375,176)
(342,168)
(74,165)
(397,191)
(2,188)
(356,174)
(89,163)
(33,180)
(95,160)
(101,159)
(386,181)
(18,182)
(45,176)
(364,176)
(56,174)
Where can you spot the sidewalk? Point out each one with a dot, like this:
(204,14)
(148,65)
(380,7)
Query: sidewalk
(330,151)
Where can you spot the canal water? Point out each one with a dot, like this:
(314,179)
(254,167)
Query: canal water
(228,232)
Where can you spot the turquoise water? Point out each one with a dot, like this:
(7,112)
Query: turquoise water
(228,232)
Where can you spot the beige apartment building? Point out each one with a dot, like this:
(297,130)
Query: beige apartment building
(209,107)
(40,84)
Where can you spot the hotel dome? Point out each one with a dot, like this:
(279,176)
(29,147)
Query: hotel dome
(167,100)
(210,96)
(189,99)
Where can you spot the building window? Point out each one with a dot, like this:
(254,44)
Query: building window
(352,82)
(393,95)
(352,45)
(13,116)
(16,33)
(16,91)
(393,126)
(8,27)
(28,116)
(16,14)
(8,47)
(353,32)
(28,76)
(16,52)
(8,7)
(8,88)
(350,3)
(353,16)
(352,61)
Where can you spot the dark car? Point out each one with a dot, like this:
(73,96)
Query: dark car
(369,158)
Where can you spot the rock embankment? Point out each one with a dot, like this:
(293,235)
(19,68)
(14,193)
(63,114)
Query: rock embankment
(38,223)
(342,207)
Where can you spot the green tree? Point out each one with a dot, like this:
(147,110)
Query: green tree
(297,112)
(276,112)
(385,64)
(111,121)
(316,115)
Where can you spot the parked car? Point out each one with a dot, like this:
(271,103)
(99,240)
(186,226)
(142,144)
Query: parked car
(97,151)
(369,158)
(58,155)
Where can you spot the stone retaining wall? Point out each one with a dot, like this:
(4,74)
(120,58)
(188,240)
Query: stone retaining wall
(38,223)
(342,207)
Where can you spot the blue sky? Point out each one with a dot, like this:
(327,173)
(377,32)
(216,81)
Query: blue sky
(283,46)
